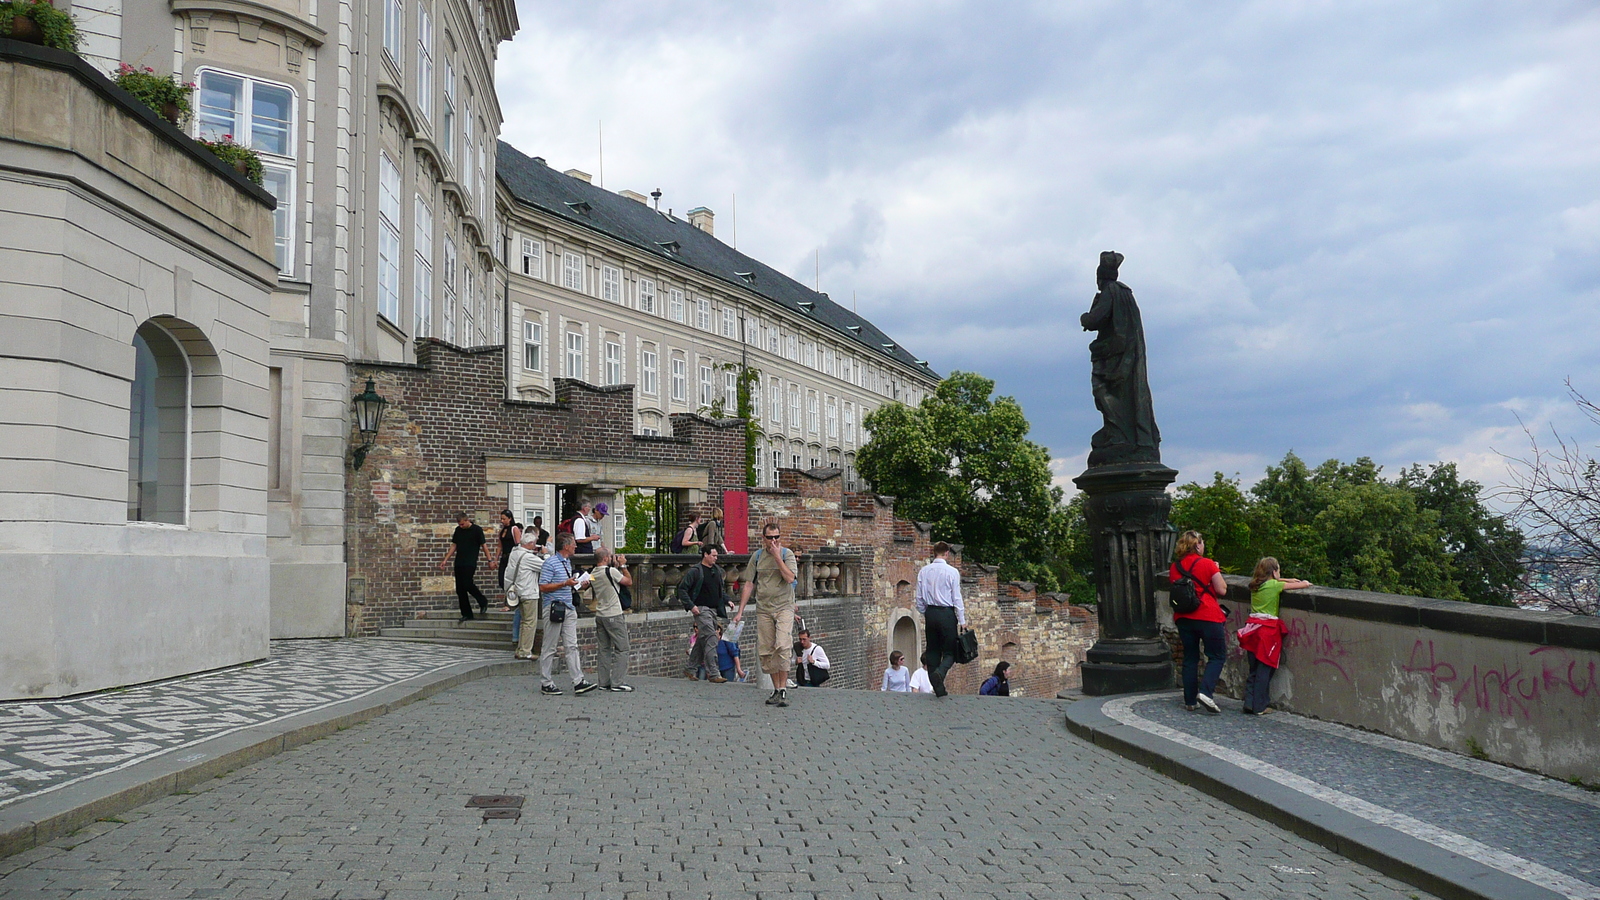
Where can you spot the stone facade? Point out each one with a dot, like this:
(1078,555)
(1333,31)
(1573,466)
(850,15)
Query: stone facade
(447,436)
(112,224)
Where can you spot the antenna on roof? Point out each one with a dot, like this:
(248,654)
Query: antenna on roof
(656,196)
(854,307)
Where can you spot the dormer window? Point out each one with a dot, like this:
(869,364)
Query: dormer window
(854,329)
(748,277)
(669,247)
(579,206)
(806,305)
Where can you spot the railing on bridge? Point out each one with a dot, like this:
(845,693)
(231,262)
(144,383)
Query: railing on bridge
(656,575)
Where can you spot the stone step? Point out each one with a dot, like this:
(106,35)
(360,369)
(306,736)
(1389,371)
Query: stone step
(476,625)
(457,634)
(445,641)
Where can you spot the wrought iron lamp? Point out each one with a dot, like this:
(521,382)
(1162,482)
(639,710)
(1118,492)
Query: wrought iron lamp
(369,413)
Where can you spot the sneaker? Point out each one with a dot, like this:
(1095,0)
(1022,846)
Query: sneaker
(773,700)
(550,690)
(783,699)
(620,688)
(717,679)
(1208,703)
(792,685)
(584,687)
(1190,707)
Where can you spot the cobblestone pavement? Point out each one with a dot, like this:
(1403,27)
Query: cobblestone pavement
(1536,828)
(686,789)
(47,745)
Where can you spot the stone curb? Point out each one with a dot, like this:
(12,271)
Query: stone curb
(30,823)
(1398,855)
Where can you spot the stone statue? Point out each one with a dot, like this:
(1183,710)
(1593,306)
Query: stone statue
(1121,388)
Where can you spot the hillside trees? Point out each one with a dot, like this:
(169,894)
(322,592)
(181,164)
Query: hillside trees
(1426,533)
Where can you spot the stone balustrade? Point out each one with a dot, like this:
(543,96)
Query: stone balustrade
(656,575)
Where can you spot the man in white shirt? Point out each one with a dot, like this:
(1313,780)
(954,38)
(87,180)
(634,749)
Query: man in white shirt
(585,529)
(813,665)
(943,615)
(920,683)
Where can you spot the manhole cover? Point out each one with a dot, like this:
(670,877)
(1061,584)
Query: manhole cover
(495,801)
(501,814)
(578,719)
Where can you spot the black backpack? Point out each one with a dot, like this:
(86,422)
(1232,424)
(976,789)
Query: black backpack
(1183,596)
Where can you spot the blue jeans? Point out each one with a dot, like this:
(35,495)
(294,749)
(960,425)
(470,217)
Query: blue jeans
(1193,631)
(1256,689)
(516,624)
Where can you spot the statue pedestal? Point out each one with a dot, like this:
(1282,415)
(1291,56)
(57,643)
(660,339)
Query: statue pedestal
(1127,506)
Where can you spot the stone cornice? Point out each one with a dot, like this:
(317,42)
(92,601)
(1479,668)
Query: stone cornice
(291,24)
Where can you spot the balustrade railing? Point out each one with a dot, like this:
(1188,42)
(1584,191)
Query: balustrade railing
(656,575)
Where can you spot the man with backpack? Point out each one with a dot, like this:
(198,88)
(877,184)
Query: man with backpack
(770,575)
(700,593)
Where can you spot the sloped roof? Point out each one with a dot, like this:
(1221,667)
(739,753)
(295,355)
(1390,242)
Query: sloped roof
(574,200)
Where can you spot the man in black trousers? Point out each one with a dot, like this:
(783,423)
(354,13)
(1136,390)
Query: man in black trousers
(466,544)
(943,616)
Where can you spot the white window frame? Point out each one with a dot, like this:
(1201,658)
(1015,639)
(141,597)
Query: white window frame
(774,342)
(449,288)
(648,361)
(422,268)
(468,289)
(675,305)
(849,423)
(831,405)
(572,271)
(775,407)
(613,363)
(532,343)
(533,258)
(813,414)
(611,284)
(424,92)
(576,367)
(447,115)
(282,214)
(647,295)
(705,384)
(389,213)
(730,393)
(791,346)
(794,407)
(702,314)
(680,379)
(730,322)
(393,30)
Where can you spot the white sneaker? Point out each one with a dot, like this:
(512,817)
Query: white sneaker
(1208,703)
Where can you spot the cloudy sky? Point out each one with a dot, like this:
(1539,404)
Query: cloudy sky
(1353,228)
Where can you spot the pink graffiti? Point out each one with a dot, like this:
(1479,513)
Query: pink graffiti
(1319,643)
(1504,690)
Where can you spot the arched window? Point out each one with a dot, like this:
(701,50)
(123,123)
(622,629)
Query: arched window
(158,429)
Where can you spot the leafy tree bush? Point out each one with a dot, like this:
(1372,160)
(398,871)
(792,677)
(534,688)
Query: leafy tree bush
(58,28)
(237,155)
(156,91)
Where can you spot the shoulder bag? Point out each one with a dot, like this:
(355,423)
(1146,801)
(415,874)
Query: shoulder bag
(1182,595)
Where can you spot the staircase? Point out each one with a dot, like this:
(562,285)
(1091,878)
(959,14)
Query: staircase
(491,632)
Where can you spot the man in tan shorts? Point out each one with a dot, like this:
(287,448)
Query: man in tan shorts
(771,575)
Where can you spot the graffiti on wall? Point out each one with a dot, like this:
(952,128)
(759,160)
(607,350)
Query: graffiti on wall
(1317,641)
(1503,689)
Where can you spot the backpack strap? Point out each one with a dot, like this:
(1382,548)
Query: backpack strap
(1189,573)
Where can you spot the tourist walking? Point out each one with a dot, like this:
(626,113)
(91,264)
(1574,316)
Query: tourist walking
(1262,634)
(943,615)
(998,684)
(711,532)
(897,677)
(700,593)
(522,584)
(1203,625)
(811,667)
(610,623)
(556,581)
(466,545)
(586,527)
(510,535)
(687,540)
(770,575)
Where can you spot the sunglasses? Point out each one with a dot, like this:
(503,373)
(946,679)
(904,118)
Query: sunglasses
(772,537)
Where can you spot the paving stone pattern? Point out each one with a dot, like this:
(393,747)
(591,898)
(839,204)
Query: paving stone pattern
(48,745)
(1536,818)
(686,790)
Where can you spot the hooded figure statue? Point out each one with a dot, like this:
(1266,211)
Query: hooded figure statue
(1121,388)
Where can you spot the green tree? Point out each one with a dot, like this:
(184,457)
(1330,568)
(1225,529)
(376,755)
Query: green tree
(1071,551)
(1379,539)
(1486,550)
(1238,530)
(961,461)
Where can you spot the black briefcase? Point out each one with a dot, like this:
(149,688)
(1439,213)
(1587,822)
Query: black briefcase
(967,647)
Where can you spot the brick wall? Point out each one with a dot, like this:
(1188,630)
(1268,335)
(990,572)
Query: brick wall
(445,415)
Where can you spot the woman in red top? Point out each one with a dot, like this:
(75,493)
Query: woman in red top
(1202,625)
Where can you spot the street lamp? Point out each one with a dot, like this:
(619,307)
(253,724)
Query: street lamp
(369,412)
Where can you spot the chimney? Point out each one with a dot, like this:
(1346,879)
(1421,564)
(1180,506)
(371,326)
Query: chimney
(700,217)
(579,174)
(635,195)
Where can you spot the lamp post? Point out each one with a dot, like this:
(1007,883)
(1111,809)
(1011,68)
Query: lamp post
(369,413)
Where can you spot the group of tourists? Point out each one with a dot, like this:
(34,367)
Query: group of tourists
(1261,637)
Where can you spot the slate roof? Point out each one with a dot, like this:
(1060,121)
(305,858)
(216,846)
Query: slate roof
(574,200)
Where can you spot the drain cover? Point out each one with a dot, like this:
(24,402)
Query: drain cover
(578,719)
(495,801)
(501,814)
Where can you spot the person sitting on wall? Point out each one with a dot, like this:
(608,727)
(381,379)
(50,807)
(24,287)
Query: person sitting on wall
(811,662)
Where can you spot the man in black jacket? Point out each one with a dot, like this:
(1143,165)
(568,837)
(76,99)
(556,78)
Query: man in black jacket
(700,593)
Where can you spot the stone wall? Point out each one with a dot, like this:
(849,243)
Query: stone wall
(111,218)
(446,416)
(1519,686)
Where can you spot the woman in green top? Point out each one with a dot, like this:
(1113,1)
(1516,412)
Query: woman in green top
(1262,636)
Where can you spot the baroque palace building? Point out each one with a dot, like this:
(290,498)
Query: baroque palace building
(607,289)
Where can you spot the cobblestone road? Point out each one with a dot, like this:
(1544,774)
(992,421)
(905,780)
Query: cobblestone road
(692,790)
